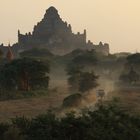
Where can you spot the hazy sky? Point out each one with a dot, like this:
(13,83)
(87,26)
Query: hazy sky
(114,21)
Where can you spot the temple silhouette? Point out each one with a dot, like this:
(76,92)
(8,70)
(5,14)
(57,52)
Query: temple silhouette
(55,35)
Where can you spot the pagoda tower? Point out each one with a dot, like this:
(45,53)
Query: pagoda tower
(9,55)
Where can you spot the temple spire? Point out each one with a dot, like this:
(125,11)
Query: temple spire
(10,55)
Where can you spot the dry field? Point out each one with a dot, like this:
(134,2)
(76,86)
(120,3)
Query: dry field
(38,105)
(130,100)
(33,106)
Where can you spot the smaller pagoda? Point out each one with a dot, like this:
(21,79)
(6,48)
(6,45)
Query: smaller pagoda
(10,55)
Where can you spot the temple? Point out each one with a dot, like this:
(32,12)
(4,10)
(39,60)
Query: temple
(57,36)
(10,55)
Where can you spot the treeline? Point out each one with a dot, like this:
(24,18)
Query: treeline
(106,122)
(131,72)
(31,72)
(21,77)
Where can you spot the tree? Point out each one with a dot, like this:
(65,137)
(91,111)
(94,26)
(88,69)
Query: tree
(1,54)
(83,59)
(74,72)
(37,52)
(132,77)
(134,58)
(80,80)
(73,100)
(3,128)
(88,81)
(131,74)
(24,74)
(133,61)
(87,58)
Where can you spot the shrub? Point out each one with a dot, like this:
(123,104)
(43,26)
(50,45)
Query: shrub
(72,100)
(106,122)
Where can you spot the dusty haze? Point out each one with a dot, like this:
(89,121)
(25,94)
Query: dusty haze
(114,21)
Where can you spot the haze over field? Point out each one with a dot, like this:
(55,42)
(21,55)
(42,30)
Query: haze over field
(114,22)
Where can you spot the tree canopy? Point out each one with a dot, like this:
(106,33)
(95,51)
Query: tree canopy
(88,81)
(132,77)
(87,58)
(24,74)
(131,74)
(134,58)
(133,61)
(81,81)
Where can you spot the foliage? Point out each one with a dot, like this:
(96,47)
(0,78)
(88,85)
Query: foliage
(13,95)
(81,81)
(3,128)
(24,74)
(72,100)
(133,61)
(13,134)
(36,52)
(129,78)
(88,81)
(132,77)
(75,70)
(88,58)
(43,127)
(75,53)
(1,53)
(21,123)
(131,74)
(74,77)
(134,58)
(107,122)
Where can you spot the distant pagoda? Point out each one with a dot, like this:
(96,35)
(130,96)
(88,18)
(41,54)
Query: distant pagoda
(10,55)
(57,36)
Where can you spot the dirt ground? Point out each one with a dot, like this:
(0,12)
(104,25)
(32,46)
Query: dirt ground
(33,106)
(130,100)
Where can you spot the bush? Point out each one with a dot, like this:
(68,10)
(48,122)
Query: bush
(3,128)
(13,134)
(106,122)
(72,100)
